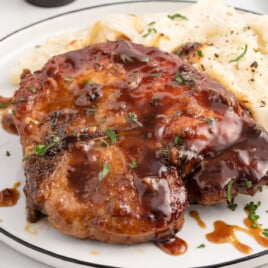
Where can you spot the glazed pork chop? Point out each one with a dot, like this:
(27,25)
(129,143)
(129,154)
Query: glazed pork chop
(118,137)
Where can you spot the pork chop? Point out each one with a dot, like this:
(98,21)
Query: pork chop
(116,134)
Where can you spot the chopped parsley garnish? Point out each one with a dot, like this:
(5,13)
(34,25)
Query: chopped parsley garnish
(111,134)
(89,81)
(210,120)
(178,140)
(249,184)
(91,111)
(201,246)
(105,171)
(177,16)
(32,89)
(146,59)
(252,208)
(3,105)
(56,138)
(229,191)
(178,78)
(238,58)
(104,143)
(156,75)
(20,100)
(8,153)
(68,79)
(41,149)
(233,207)
(124,58)
(133,164)
(133,118)
(265,232)
(200,53)
(149,31)
(152,23)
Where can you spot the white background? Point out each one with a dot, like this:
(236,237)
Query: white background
(15,14)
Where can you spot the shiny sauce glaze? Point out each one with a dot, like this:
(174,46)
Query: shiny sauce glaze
(10,196)
(225,233)
(7,121)
(93,167)
(195,215)
(164,98)
(170,120)
(175,246)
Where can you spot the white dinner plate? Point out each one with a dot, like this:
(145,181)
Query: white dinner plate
(42,242)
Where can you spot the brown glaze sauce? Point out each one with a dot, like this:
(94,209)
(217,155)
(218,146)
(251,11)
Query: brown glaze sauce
(195,215)
(225,233)
(148,98)
(10,196)
(175,246)
(8,123)
(155,86)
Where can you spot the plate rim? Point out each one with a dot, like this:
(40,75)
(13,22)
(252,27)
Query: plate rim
(64,258)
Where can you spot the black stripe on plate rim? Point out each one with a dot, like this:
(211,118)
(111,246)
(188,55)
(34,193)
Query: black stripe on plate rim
(77,261)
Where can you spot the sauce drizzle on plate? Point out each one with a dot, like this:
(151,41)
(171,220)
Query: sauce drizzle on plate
(10,196)
(225,233)
(175,246)
(195,215)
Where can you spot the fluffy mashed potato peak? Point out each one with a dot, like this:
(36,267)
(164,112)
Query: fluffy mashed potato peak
(234,45)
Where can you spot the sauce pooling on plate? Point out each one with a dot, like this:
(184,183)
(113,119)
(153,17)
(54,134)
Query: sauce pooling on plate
(175,246)
(10,196)
(195,215)
(225,233)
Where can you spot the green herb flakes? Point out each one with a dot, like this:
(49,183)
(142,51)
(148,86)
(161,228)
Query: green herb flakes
(111,134)
(265,232)
(233,207)
(156,75)
(210,120)
(133,118)
(178,140)
(252,208)
(105,171)
(68,79)
(3,105)
(90,111)
(17,101)
(149,31)
(178,78)
(200,53)
(41,149)
(133,164)
(56,138)
(249,184)
(177,16)
(32,89)
(201,246)
(104,143)
(238,58)
(152,23)
(229,191)
(8,153)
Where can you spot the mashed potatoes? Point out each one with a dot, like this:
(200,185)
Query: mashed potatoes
(234,51)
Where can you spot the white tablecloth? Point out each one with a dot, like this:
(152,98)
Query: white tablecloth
(15,14)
